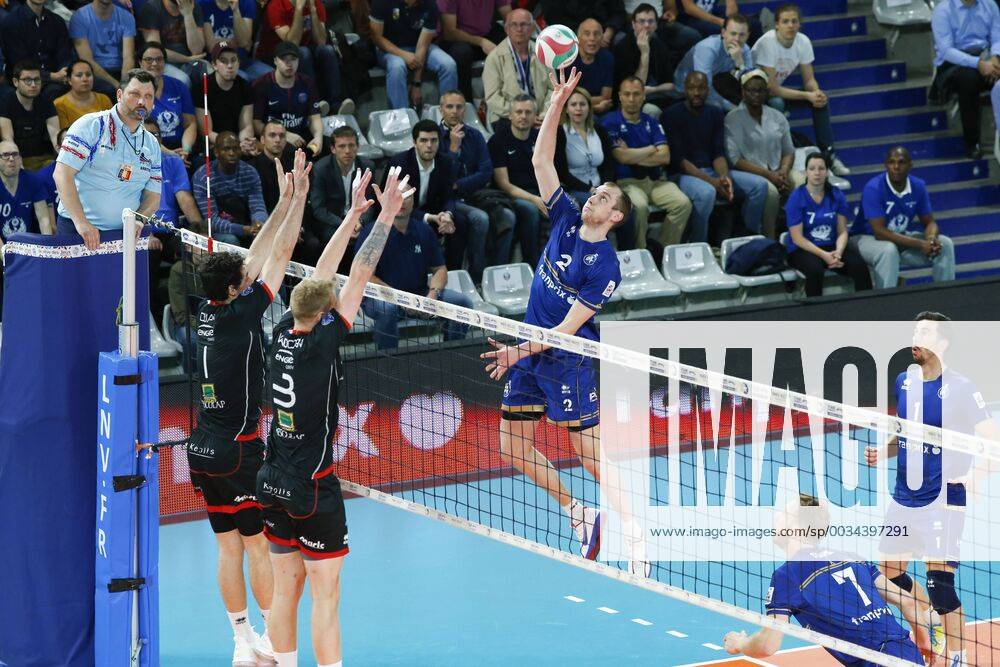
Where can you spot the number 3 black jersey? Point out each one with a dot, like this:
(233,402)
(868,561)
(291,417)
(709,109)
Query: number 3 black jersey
(231,363)
(305,374)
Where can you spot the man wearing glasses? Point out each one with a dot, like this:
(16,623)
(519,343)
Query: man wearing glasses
(27,119)
(512,69)
(643,55)
(109,162)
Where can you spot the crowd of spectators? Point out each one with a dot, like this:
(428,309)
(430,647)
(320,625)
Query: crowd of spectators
(682,104)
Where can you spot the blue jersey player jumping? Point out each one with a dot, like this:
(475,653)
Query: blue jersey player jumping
(833,594)
(933,512)
(576,275)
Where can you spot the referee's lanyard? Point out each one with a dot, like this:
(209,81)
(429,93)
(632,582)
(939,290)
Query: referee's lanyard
(523,73)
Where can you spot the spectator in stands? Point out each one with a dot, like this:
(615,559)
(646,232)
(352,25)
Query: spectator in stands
(510,150)
(173,109)
(721,58)
(290,98)
(22,201)
(230,100)
(433,175)
(512,70)
(103,34)
(330,191)
(706,16)
(886,232)
(177,26)
(597,66)
(29,120)
(698,136)
(81,98)
(411,252)
(31,32)
(47,182)
(678,37)
(642,55)
(967,57)
(642,153)
(608,13)
(467,149)
(469,34)
(403,32)
(232,22)
(817,231)
(583,158)
(273,146)
(303,24)
(175,193)
(759,141)
(779,52)
(237,200)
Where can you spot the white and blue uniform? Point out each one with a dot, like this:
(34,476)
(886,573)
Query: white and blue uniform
(17,209)
(563,384)
(113,166)
(837,596)
(934,528)
(901,210)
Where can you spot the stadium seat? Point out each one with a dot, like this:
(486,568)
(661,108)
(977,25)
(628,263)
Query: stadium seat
(389,130)
(471,118)
(758,289)
(645,291)
(365,149)
(692,267)
(800,165)
(833,283)
(460,281)
(158,344)
(899,13)
(168,317)
(507,287)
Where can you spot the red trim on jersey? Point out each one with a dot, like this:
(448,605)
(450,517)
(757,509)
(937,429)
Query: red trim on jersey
(233,509)
(346,323)
(325,471)
(323,556)
(266,289)
(213,302)
(73,151)
(249,436)
(279,540)
(297,332)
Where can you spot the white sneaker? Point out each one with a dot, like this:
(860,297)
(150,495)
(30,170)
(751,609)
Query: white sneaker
(243,653)
(263,649)
(346,108)
(637,550)
(838,167)
(588,532)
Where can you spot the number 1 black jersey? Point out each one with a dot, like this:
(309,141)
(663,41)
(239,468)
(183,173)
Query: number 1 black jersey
(231,363)
(305,376)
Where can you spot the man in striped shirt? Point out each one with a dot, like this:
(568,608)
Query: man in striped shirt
(238,209)
(225,450)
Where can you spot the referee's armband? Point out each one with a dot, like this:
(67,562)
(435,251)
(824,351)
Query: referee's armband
(78,145)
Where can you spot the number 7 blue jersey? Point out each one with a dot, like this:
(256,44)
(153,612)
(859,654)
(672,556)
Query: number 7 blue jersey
(571,270)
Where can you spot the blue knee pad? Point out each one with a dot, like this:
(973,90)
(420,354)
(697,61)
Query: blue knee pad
(941,591)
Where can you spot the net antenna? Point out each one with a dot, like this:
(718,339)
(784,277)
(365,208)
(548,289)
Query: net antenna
(208,162)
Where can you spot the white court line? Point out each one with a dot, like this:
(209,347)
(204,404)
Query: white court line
(573,598)
(641,621)
(714,647)
(674,633)
(730,659)
(607,610)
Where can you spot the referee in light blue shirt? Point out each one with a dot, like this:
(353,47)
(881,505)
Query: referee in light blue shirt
(108,162)
(967,57)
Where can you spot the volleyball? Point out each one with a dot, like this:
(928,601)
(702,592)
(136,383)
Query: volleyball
(557,47)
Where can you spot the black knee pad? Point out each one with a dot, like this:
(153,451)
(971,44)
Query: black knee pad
(521,416)
(941,591)
(904,581)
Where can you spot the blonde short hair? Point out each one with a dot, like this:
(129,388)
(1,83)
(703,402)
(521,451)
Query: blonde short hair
(310,298)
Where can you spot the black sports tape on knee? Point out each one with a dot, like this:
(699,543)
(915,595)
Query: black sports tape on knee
(904,581)
(521,416)
(941,591)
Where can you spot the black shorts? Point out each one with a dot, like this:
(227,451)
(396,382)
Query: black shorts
(224,472)
(302,513)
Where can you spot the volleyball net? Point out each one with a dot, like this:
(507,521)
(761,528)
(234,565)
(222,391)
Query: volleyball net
(708,478)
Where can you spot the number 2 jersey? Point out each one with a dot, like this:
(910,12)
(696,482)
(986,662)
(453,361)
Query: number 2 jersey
(305,373)
(836,596)
(231,364)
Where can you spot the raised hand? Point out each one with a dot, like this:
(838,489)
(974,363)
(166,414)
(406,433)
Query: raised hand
(396,190)
(284,180)
(300,174)
(563,85)
(501,358)
(359,204)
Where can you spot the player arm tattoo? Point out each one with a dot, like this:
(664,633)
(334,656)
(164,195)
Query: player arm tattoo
(371,249)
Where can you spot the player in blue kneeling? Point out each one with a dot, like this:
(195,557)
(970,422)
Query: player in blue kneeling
(833,594)
(576,275)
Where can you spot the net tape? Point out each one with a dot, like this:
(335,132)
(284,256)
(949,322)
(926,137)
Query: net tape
(633,360)
(863,417)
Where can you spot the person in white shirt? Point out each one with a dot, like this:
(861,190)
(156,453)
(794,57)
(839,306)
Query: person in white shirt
(779,52)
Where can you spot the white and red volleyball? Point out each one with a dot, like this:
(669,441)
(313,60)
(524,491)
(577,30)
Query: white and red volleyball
(557,47)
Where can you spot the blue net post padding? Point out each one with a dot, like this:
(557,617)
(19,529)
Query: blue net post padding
(59,313)
(149,512)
